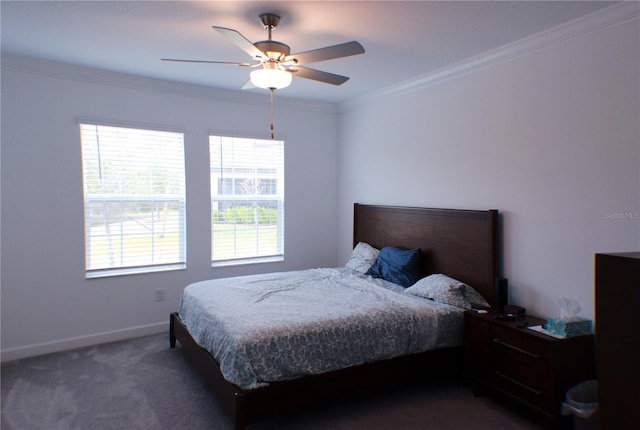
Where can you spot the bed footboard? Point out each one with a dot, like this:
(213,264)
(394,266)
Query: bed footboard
(248,406)
(230,396)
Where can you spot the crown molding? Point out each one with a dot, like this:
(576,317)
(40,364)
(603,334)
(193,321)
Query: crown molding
(73,72)
(609,17)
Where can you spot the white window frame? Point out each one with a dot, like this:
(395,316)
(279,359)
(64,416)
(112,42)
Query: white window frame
(266,175)
(162,205)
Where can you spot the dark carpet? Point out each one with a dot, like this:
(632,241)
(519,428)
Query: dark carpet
(143,384)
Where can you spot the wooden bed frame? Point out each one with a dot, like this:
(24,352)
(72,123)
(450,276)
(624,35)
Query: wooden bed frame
(462,244)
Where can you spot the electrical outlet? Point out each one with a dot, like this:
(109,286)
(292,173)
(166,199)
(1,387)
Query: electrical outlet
(160,294)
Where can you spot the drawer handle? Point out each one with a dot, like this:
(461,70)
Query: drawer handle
(515,348)
(518,383)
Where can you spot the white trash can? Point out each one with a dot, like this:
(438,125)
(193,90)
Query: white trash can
(582,402)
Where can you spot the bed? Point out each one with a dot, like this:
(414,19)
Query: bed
(463,244)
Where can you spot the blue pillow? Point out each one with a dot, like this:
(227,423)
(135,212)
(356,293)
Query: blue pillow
(397,265)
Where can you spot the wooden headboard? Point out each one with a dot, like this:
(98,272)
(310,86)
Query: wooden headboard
(462,244)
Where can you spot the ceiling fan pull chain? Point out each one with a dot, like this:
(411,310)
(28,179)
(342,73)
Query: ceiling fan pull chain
(271,91)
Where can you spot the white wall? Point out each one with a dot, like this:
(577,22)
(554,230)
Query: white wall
(47,304)
(549,138)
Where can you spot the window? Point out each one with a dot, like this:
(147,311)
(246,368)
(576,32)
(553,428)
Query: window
(134,200)
(247,200)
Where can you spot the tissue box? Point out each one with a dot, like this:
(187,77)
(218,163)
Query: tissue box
(574,327)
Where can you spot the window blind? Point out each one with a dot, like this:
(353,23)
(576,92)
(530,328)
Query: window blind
(247,200)
(134,199)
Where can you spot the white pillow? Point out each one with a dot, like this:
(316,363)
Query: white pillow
(362,257)
(443,289)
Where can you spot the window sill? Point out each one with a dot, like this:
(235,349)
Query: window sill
(105,273)
(243,261)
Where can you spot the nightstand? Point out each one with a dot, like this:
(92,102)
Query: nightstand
(532,368)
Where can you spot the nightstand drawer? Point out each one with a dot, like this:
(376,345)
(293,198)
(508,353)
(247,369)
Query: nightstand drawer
(516,342)
(534,372)
(525,386)
(521,366)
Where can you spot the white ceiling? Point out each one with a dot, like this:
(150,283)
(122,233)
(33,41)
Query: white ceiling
(403,39)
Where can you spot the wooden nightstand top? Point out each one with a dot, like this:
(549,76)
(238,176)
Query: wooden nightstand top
(531,320)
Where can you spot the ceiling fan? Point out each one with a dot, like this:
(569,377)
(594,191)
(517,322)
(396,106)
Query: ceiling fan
(273,62)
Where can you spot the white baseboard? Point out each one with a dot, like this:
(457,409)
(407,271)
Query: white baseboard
(82,341)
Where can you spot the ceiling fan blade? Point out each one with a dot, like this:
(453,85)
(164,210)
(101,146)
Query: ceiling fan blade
(317,75)
(212,62)
(328,53)
(240,41)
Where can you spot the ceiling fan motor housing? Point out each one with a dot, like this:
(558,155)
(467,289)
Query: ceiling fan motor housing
(274,49)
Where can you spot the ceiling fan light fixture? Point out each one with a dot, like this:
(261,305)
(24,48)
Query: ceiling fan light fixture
(269,78)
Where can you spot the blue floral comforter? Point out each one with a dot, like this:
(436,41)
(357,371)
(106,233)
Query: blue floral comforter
(278,326)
